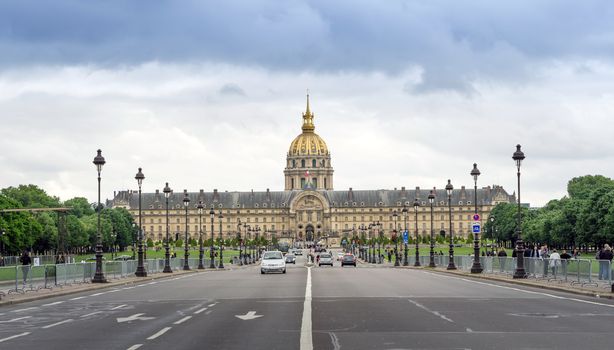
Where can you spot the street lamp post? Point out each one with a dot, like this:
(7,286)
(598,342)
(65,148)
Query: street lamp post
(257,246)
(380,237)
(221,265)
(519,272)
(201,249)
(371,248)
(134,233)
(396,241)
(186,204)
(477,267)
(99,276)
(240,241)
(449,189)
(211,254)
(416,206)
(431,198)
(405,212)
(140,269)
(248,237)
(167,255)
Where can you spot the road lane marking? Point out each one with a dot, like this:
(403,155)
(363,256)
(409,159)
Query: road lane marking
(248,316)
(208,312)
(162,331)
(113,291)
(77,298)
(16,319)
(431,311)
(56,303)
(335,340)
(126,288)
(201,310)
(97,294)
(26,309)
(539,293)
(306,331)
(118,307)
(14,336)
(211,305)
(135,346)
(183,320)
(92,313)
(57,323)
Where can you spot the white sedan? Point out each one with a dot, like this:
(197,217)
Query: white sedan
(273,261)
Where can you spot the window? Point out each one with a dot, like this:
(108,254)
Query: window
(313,163)
(293,163)
(302,182)
(315,182)
(302,163)
(292,183)
(325,183)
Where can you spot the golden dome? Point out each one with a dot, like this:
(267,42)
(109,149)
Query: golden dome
(308,143)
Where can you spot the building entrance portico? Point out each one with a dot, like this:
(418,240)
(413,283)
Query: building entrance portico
(308,211)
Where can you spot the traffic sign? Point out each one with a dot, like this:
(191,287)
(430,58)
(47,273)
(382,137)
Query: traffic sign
(476,227)
(476,217)
(405,237)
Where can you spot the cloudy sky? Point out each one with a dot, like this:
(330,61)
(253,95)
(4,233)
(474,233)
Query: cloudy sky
(208,95)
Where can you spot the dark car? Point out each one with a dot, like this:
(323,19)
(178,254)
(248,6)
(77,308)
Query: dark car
(290,259)
(348,259)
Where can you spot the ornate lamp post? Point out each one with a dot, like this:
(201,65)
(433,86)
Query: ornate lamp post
(186,204)
(449,189)
(201,249)
(405,212)
(371,252)
(477,267)
(211,254)
(416,206)
(99,276)
(396,241)
(221,265)
(380,236)
(240,241)
(167,255)
(248,237)
(257,252)
(431,198)
(519,272)
(361,249)
(140,269)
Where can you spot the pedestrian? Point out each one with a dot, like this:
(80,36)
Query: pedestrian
(502,259)
(390,256)
(318,259)
(605,261)
(1,260)
(555,261)
(25,265)
(565,261)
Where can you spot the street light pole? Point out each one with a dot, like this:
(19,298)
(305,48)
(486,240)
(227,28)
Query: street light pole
(449,189)
(221,265)
(201,249)
(519,272)
(416,206)
(405,212)
(211,255)
(186,204)
(99,275)
(477,267)
(240,241)
(396,241)
(431,198)
(140,269)
(167,255)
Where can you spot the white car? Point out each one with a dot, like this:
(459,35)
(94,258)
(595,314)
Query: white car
(273,261)
(340,256)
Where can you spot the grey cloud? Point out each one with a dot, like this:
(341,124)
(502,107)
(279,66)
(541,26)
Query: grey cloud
(455,43)
(231,90)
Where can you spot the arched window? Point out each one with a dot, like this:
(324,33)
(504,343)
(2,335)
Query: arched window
(293,163)
(302,163)
(313,163)
(292,184)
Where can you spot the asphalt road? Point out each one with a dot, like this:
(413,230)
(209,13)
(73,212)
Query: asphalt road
(317,308)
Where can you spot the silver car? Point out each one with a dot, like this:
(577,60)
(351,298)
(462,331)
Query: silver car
(272,261)
(326,259)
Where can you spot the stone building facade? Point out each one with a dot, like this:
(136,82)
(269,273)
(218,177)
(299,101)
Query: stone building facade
(309,208)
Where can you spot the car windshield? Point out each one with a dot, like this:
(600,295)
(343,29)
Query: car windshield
(348,257)
(325,256)
(272,256)
(289,256)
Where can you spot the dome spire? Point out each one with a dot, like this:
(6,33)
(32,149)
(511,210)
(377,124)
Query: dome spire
(308,118)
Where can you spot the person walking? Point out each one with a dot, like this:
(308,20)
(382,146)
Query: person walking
(605,261)
(565,261)
(25,265)
(555,261)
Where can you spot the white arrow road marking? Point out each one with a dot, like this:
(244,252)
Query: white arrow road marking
(248,316)
(134,318)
